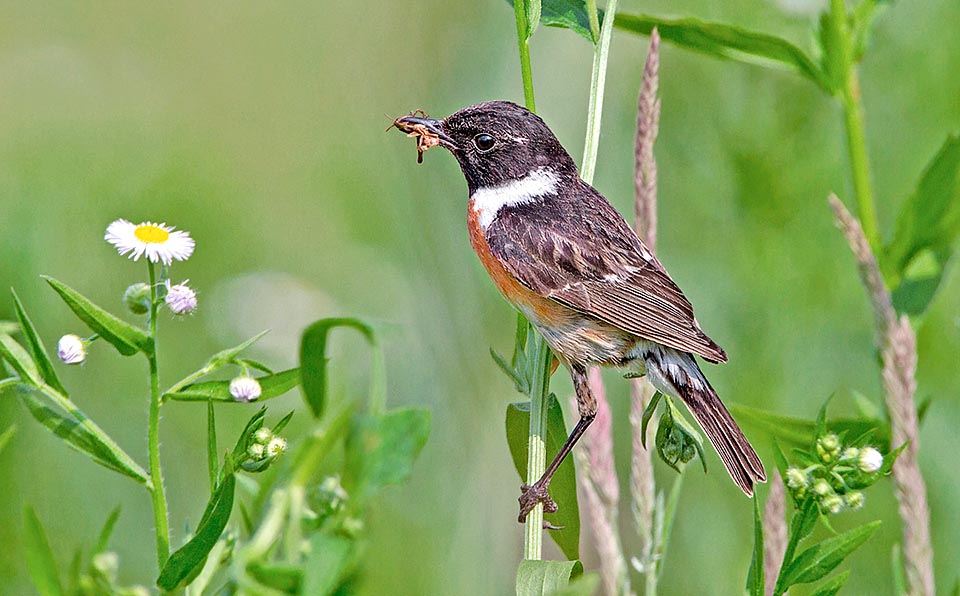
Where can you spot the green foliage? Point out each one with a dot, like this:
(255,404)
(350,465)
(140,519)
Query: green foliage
(927,228)
(313,361)
(40,561)
(273,385)
(565,14)
(20,360)
(36,347)
(798,432)
(544,578)
(727,42)
(127,339)
(186,562)
(755,579)
(381,450)
(563,487)
(820,559)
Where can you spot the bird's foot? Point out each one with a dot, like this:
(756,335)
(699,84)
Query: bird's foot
(531,496)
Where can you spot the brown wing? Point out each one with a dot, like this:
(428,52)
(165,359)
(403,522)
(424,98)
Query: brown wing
(578,250)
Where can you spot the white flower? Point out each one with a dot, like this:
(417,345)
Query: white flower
(796,478)
(160,242)
(263,435)
(71,350)
(822,487)
(276,446)
(255,451)
(180,299)
(832,503)
(244,388)
(870,460)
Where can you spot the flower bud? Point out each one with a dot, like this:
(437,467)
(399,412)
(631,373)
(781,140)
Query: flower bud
(828,447)
(71,349)
(796,478)
(854,499)
(263,435)
(822,487)
(137,298)
(832,503)
(256,451)
(180,299)
(870,460)
(850,453)
(687,452)
(245,389)
(276,446)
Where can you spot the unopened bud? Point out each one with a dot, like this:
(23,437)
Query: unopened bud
(822,487)
(263,435)
(796,478)
(256,451)
(180,299)
(854,499)
(245,389)
(71,349)
(137,298)
(832,503)
(870,460)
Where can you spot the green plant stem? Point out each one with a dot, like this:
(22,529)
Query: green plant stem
(597,84)
(853,121)
(523,43)
(213,458)
(158,496)
(537,443)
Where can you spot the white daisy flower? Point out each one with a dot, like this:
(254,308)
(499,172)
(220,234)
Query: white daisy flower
(158,241)
(180,299)
(70,349)
(244,388)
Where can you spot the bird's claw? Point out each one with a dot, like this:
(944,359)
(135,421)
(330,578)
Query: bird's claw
(531,496)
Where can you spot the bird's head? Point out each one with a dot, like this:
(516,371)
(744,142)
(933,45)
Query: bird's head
(495,142)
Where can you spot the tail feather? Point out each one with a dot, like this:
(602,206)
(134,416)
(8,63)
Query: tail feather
(677,373)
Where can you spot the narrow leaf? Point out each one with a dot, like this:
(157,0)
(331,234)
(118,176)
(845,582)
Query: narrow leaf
(822,558)
(726,42)
(127,339)
(36,347)
(541,578)
(331,560)
(19,359)
(189,559)
(798,432)
(381,450)
(532,10)
(755,578)
(647,415)
(213,458)
(313,358)
(563,487)
(565,14)
(831,587)
(7,436)
(78,431)
(927,226)
(107,530)
(40,561)
(271,386)
(585,585)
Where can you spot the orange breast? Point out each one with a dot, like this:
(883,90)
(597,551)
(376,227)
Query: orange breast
(537,308)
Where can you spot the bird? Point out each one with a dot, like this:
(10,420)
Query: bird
(563,256)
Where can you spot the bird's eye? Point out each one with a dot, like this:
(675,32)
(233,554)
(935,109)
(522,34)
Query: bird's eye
(484,142)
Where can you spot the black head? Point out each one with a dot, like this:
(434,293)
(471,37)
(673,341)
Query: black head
(496,142)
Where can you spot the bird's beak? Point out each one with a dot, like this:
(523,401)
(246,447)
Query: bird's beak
(429,132)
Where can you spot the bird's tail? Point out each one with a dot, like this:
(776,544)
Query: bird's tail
(677,373)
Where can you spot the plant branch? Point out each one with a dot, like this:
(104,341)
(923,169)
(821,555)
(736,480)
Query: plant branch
(537,443)
(158,496)
(597,84)
(523,42)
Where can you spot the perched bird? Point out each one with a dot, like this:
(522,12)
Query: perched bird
(565,258)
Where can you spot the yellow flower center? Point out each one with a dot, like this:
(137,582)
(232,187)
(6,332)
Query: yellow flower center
(151,233)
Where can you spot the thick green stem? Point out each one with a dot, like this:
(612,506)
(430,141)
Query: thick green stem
(158,497)
(853,121)
(537,443)
(597,84)
(523,43)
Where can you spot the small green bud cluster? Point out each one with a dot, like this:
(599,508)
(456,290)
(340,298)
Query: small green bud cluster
(836,476)
(330,502)
(264,445)
(676,443)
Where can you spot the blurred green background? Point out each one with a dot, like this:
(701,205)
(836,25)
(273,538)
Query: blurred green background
(259,127)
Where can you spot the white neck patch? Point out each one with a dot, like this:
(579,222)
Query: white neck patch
(488,201)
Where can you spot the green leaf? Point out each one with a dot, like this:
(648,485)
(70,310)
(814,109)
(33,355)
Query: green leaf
(833,61)
(313,358)
(927,227)
(36,347)
(190,558)
(270,385)
(565,14)
(831,587)
(647,415)
(381,450)
(532,10)
(899,577)
(541,578)
(823,557)
(519,381)
(7,436)
(563,487)
(726,42)
(584,585)
(107,530)
(227,356)
(71,425)
(40,561)
(20,360)
(890,458)
(755,575)
(331,560)
(283,578)
(127,339)
(801,526)
(797,432)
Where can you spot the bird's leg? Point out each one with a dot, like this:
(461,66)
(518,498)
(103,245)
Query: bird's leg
(587,405)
